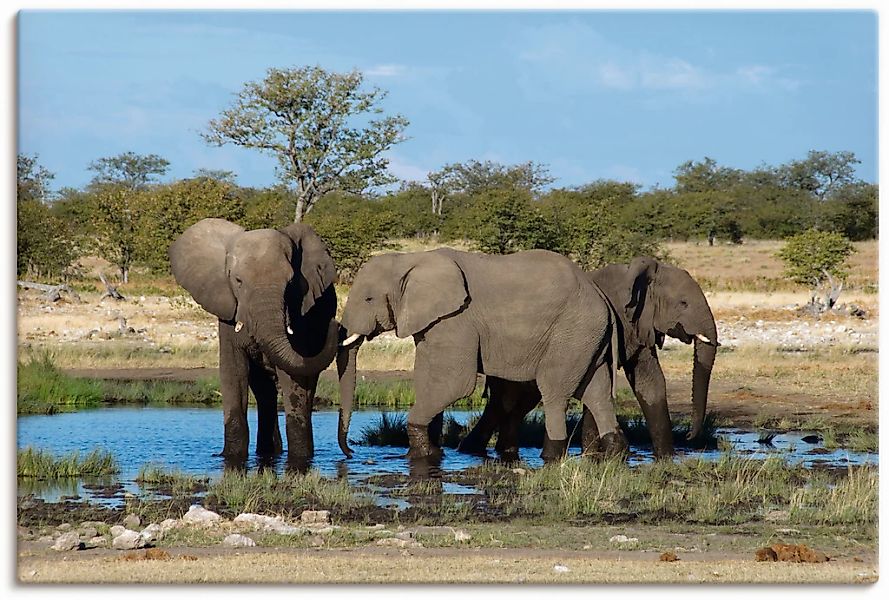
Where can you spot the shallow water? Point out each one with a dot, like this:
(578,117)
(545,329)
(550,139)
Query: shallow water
(186,439)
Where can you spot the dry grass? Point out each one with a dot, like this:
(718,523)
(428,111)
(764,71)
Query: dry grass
(753,266)
(435,566)
(827,372)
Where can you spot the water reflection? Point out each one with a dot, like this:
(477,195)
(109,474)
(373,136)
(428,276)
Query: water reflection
(185,439)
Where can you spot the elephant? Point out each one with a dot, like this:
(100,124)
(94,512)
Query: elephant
(531,315)
(658,299)
(272,291)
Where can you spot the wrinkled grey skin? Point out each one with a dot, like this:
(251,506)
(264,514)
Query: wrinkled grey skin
(526,316)
(262,285)
(657,300)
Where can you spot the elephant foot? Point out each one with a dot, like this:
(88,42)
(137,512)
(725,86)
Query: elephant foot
(298,463)
(509,455)
(553,450)
(420,445)
(469,445)
(614,443)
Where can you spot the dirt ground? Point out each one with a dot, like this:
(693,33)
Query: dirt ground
(427,565)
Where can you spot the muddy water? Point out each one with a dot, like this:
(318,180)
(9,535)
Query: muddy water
(186,439)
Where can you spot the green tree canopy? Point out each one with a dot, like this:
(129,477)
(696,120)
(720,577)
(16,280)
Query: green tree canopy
(325,131)
(129,170)
(814,257)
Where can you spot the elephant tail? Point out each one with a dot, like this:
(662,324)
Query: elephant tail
(614,347)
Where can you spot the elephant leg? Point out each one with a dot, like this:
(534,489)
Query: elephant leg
(298,395)
(493,416)
(519,399)
(441,377)
(597,398)
(647,380)
(233,373)
(589,434)
(265,390)
(555,440)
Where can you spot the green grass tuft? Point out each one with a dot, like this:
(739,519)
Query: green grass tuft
(41,464)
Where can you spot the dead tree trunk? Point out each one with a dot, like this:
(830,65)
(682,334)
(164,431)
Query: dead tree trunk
(110,290)
(52,293)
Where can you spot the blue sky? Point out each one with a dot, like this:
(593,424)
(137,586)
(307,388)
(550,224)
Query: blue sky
(596,94)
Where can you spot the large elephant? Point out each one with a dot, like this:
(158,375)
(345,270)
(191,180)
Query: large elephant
(272,291)
(532,315)
(657,299)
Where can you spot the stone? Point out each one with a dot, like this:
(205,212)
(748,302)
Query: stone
(622,539)
(152,533)
(64,527)
(519,471)
(266,523)
(237,540)
(200,515)
(100,541)
(128,540)
(116,530)
(462,536)
(168,524)
(315,517)
(66,542)
(88,532)
(561,569)
(132,521)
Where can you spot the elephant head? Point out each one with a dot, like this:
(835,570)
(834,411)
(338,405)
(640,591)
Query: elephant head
(278,283)
(659,299)
(404,292)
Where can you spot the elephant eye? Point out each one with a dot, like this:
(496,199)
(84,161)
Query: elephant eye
(368,299)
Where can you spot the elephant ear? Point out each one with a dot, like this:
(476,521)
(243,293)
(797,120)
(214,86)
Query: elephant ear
(313,260)
(432,288)
(197,258)
(640,310)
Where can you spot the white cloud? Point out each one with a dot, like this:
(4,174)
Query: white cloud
(386,70)
(575,56)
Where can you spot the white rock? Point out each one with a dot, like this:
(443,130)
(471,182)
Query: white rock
(314,517)
(132,521)
(238,541)
(561,569)
(462,536)
(128,540)
(66,541)
(398,543)
(152,533)
(622,539)
(168,524)
(116,530)
(199,514)
(275,524)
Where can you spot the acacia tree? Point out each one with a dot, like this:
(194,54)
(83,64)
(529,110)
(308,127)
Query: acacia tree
(129,170)
(325,131)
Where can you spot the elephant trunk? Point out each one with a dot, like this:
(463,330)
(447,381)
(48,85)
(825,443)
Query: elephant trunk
(268,316)
(346,366)
(704,356)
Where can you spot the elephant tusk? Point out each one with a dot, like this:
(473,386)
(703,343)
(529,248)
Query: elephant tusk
(238,326)
(350,340)
(703,338)
(289,330)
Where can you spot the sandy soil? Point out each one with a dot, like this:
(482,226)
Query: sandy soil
(427,565)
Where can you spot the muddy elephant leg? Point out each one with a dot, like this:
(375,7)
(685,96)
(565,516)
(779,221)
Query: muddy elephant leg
(233,374)
(647,380)
(437,384)
(597,399)
(298,395)
(589,434)
(492,418)
(519,398)
(265,390)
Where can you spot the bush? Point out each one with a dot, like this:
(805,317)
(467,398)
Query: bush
(814,257)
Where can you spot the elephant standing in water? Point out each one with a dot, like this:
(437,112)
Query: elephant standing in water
(529,315)
(272,291)
(654,299)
